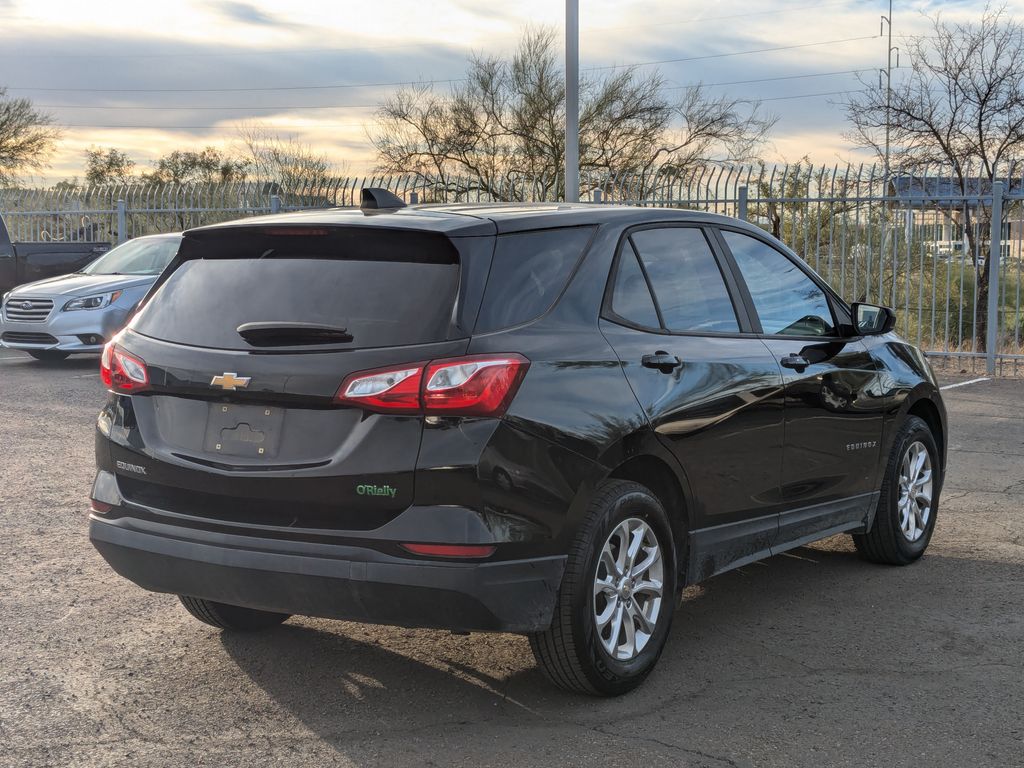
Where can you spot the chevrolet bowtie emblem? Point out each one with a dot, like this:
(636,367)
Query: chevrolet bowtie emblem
(230,381)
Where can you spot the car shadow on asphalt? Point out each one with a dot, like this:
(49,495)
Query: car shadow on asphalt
(794,615)
(75,363)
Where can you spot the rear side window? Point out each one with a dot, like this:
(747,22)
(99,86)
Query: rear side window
(529,271)
(631,298)
(381,288)
(687,283)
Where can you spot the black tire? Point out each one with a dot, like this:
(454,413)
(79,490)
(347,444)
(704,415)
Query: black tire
(570,652)
(233,617)
(885,542)
(48,355)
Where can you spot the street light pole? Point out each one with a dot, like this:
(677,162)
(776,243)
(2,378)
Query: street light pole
(572,101)
(888,85)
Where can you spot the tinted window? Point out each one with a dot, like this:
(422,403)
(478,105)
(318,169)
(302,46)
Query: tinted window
(528,273)
(631,298)
(687,283)
(787,301)
(399,291)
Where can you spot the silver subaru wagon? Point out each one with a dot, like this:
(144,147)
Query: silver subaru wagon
(53,318)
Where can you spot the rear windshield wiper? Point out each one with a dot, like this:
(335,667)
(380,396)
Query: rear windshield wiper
(283,333)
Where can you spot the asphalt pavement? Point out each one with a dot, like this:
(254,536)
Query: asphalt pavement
(813,658)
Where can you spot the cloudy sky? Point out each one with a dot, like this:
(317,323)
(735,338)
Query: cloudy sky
(147,76)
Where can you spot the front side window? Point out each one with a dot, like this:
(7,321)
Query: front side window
(686,280)
(787,301)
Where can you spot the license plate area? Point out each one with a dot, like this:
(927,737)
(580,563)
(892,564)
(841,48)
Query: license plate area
(249,431)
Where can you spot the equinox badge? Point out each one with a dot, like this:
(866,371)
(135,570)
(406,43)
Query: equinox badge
(230,381)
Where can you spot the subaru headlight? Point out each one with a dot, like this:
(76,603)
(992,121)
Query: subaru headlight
(92,302)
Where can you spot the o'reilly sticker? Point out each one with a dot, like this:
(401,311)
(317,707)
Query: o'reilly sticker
(136,468)
(376,490)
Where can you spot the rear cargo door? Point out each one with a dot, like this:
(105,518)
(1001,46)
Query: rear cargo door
(247,342)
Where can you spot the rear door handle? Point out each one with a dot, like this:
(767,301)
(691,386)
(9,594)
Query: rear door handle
(661,361)
(796,362)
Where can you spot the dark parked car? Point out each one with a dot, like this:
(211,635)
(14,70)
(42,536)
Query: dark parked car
(544,419)
(26,262)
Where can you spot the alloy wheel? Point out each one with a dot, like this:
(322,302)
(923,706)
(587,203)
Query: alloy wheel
(628,586)
(915,491)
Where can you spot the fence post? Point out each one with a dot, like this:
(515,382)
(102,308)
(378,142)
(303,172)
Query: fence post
(995,247)
(741,203)
(414,198)
(275,203)
(597,196)
(122,222)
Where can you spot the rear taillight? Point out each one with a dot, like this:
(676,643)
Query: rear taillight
(121,371)
(480,385)
(385,389)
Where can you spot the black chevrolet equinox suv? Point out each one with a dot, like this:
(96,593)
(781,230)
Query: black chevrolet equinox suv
(545,419)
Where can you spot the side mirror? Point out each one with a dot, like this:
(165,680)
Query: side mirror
(871,319)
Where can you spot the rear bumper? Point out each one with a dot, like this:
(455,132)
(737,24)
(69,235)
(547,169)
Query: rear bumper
(332,581)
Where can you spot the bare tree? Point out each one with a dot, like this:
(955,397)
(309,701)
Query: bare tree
(189,166)
(504,125)
(268,156)
(27,137)
(106,166)
(716,126)
(961,106)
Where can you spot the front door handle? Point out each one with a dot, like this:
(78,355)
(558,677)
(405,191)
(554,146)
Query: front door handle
(796,362)
(661,361)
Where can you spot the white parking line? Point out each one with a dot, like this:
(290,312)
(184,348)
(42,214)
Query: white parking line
(964,383)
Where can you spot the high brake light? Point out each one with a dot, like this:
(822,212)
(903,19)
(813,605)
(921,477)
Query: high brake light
(121,371)
(478,385)
(296,231)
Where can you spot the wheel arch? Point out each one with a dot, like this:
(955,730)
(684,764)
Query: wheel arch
(655,473)
(926,410)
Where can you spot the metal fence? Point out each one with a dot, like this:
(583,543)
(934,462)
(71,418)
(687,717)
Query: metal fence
(948,255)
(921,243)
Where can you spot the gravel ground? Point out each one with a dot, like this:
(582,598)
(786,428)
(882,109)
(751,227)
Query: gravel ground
(812,658)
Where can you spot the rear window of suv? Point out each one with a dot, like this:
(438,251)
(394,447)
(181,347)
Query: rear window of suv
(382,287)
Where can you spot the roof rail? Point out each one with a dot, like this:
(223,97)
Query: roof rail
(373,198)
